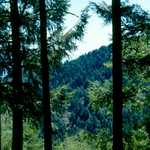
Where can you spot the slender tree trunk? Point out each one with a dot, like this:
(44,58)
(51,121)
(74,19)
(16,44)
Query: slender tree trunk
(45,78)
(17,135)
(0,130)
(117,76)
(17,130)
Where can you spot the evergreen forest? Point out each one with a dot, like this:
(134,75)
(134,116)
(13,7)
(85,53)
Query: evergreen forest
(50,104)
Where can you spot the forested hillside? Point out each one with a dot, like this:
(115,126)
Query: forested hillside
(88,67)
(79,75)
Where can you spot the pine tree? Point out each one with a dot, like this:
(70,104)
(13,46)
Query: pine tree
(45,77)
(17,143)
(27,58)
(117,76)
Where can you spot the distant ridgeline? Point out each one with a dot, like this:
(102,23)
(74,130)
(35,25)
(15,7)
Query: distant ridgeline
(88,67)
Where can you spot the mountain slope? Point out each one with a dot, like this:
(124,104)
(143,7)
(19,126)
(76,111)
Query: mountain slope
(88,67)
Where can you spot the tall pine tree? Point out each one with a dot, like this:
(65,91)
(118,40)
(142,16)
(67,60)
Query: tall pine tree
(117,76)
(17,143)
(45,77)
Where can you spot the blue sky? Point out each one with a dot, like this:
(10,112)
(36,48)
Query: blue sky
(97,33)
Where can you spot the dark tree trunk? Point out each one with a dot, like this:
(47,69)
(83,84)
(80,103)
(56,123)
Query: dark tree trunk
(0,130)
(17,130)
(45,78)
(117,76)
(17,135)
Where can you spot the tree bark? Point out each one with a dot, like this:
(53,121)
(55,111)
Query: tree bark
(45,78)
(17,135)
(117,76)
(0,130)
(17,130)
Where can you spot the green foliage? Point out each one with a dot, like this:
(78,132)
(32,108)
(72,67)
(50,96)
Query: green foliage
(103,10)
(32,141)
(6,131)
(60,101)
(60,43)
(139,140)
(76,142)
(134,50)
(102,140)
(61,97)
(100,94)
(135,21)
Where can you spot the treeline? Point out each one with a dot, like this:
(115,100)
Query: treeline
(89,67)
